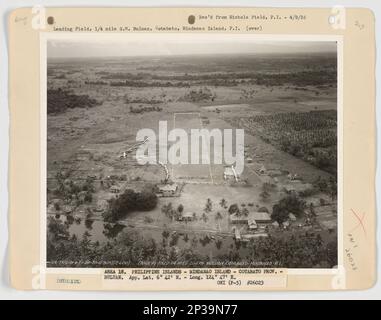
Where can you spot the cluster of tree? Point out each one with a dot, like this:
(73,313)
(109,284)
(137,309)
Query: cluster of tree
(267,188)
(202,94)
(301,78)
(327,186)
(145,84)
(143,109)
(290,204)
(171,212)
(130,249)
(316,77)
(59,101)
(144,100)
(79,191)
(96,82)
(311,136)
(129,201)
(297,251)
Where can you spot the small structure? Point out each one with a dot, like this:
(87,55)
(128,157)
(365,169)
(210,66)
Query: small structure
(230,173)
(168,190)
(249,160)
(251,218)
(291,216)
(252,224)
(238,219)
(297,187)
(115,189)
(51,209)
(275,224)
(67,209)
(187,216)
(83,155)
(260,217)
(262,170)
(237,234)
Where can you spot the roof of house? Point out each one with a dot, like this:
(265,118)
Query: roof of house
(228,171)
(187,214)
(259,216)
(256,216)
(291,216)
(252,223)
(168,187)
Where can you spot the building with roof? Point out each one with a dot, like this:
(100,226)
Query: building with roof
(252,217)
(187,216)
(229,173)
(115,189)
(252,224)
(168,190)
(297,187)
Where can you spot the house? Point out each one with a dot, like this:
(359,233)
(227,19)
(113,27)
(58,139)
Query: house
(238,219)
(297,187)
(275,224)
(251,218)
(168,190)
(187,216)
(66,209)
(115,189)
(249,160)
(252,224)
(229,173)
(262,170)
(260,217)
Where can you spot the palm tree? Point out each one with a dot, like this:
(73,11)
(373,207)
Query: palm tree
(208,206)
(167,209)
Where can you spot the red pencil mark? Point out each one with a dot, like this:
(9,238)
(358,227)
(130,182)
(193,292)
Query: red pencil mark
(360,221)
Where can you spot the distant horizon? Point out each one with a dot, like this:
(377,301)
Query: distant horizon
(61,49)
(193,55)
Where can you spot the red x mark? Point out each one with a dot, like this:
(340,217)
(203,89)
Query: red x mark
(360,221)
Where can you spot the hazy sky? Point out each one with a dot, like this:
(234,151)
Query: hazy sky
(175,45)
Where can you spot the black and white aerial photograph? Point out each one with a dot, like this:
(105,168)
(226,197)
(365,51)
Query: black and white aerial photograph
(191,152)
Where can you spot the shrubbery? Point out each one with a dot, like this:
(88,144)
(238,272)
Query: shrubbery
(59,101)
(130,201)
